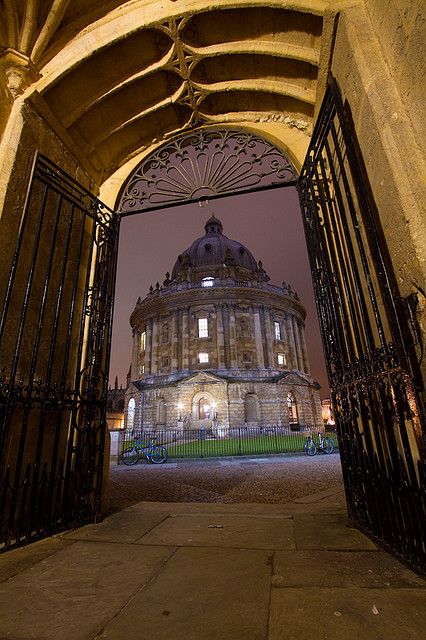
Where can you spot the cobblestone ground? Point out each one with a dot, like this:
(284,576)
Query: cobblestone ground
(274,480)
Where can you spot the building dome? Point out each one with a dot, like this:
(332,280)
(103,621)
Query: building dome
(217,347)
(212,252)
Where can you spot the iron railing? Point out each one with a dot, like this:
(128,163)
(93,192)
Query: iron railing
(223,442)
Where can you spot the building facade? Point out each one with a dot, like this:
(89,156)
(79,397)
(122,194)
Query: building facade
(218,346)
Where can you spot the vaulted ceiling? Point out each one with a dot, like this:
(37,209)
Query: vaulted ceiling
(122,76)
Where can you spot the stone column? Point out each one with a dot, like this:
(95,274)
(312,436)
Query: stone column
(148,346)
(303,347)
(297,341)
(220,338)
(154,346)
(269,338)
(232,337)
(293,359)
(174,340)
(258,339)
(185,338)
(135,354)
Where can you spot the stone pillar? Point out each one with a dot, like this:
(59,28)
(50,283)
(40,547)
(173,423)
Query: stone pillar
(148,346)
(297,341)
(220,338)
(269,338)
(303,347)
(174,340)
(135,354)
(293,359)
(232,337)
(258,339)
(185,338)
(154,347)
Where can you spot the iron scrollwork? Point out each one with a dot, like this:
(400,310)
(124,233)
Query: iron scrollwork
(204,163)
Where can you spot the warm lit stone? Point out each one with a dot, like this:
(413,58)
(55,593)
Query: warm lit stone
(217,346)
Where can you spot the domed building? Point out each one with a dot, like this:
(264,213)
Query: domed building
(217,346)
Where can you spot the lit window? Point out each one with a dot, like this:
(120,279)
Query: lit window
(281,359)
(143,340)
(142,369)
(203,328)
(207,282)
(203,357)
(277,330)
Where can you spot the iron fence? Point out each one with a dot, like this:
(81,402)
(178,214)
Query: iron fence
(223,442)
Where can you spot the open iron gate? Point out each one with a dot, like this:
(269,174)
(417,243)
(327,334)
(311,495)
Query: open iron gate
(373,371)
(55,333)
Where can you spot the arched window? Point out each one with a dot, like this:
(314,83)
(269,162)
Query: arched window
(131,408)
(292,409)
(204,409)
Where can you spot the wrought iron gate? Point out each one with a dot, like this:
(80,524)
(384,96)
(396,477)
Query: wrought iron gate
(55,332)
(373,370)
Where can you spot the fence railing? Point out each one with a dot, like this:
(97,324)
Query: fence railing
(209,443)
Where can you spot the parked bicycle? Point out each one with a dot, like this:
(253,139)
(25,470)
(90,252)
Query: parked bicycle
(155,453)
(323,444)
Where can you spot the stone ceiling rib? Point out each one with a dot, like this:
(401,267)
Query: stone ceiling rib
(279,87)
(131,73)
(91,100)
(264,47)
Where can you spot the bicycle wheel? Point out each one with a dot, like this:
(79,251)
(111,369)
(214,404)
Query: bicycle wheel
(327,445)
(310,447)
(130,456)
(158,455)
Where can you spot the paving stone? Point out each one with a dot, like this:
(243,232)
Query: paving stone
(73,594)
(341,569)
(127,526)
(222,594)
(199,508)
(13,562)
(223,531)
(329,532)
(341,614)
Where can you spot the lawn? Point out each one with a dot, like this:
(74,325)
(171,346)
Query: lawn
(262,444)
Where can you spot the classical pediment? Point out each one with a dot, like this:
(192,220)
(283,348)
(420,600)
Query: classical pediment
(202,378)
(294,378)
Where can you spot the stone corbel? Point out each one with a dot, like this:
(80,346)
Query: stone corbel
(18,72)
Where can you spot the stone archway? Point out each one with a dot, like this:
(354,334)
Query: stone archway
(202,409)
(79,118)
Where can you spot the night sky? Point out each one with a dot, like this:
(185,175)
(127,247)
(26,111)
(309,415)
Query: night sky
(268,223)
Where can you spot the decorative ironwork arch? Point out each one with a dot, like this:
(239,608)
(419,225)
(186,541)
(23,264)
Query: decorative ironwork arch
(203,164)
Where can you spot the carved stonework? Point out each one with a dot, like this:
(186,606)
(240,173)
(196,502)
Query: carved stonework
(18,72)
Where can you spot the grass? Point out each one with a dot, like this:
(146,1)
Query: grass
(246,444)
(262,444)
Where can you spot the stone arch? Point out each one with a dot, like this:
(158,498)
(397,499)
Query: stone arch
(200,401)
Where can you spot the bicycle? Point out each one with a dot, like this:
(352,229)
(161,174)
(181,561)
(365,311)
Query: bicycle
(324,444)
(155,453)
